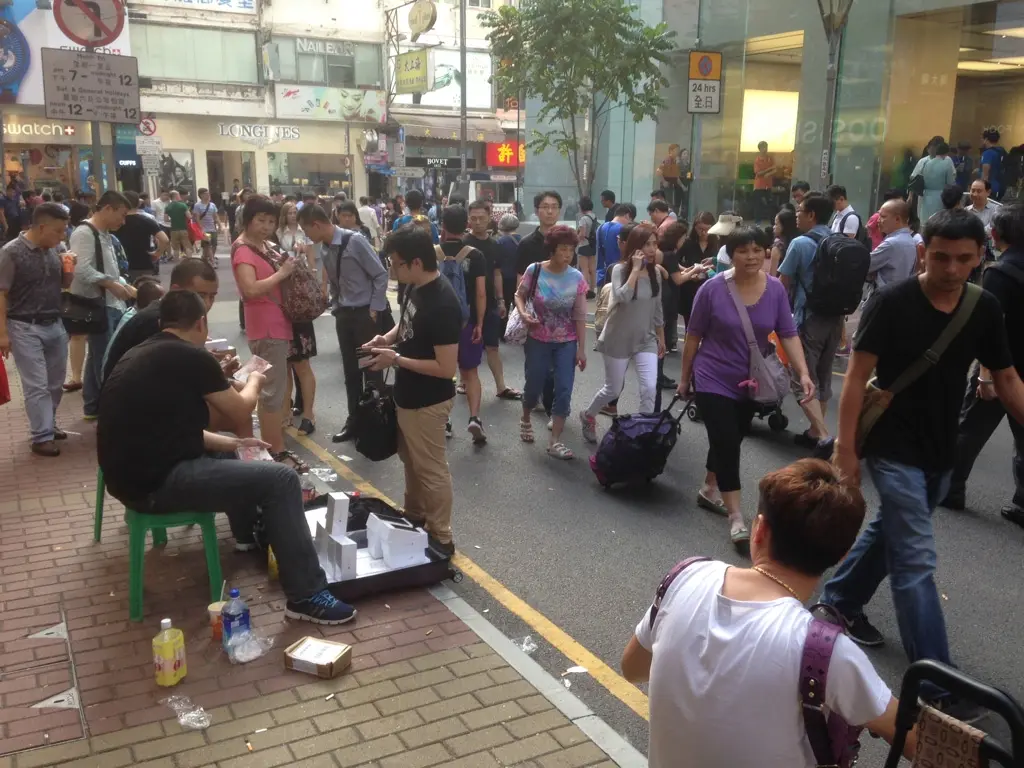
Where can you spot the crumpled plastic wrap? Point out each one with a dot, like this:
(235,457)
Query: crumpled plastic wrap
(189,715)
(248,646)
(525,644)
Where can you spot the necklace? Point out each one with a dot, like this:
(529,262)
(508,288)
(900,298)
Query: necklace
(778,581)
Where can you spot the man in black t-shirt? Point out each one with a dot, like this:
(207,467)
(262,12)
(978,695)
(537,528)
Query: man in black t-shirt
(137,235)
(424,348)
(479,237)
(158,410)
(189,274)
(910,450)
(982,410)
(471,341)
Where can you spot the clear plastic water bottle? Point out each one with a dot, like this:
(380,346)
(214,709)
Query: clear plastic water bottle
(235,617)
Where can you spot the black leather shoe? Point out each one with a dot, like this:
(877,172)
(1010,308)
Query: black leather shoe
(59,434)
(666,383)
(347,433)
(1014,514)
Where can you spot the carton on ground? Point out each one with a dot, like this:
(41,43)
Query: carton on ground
(316,656)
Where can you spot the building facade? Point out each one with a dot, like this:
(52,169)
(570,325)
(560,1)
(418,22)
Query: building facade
(283,96)
(908,70)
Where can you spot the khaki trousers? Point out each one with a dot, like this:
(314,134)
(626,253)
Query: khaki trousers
(181,246)
(428,481)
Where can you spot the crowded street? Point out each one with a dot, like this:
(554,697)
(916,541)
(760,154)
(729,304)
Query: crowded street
(589,559)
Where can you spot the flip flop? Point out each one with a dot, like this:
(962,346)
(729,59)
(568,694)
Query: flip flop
(510,394)
(526,432)
(711,506)
(460,390)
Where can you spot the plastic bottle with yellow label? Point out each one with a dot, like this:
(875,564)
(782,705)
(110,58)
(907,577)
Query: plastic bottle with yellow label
(169,655)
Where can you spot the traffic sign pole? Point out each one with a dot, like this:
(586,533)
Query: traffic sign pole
(97,152)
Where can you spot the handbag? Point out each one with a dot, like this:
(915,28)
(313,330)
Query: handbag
(302,299)
(877,400)
(517,330)
(916,185)
(5,384)
(195,232)
(83,316)
(769,379)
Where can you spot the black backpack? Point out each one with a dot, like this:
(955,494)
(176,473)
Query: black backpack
(838,273)
(862,235)
(592,235)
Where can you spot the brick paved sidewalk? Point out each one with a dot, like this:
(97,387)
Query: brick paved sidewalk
(423,689)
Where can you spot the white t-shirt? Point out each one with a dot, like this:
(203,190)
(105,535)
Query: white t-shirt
(852,221)
(725,678)
(723,257)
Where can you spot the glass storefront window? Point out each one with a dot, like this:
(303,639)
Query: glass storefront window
(294,173)
(342,64)
(211,55)
(909,70)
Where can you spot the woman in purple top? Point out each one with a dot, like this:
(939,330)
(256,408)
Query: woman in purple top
(717,357)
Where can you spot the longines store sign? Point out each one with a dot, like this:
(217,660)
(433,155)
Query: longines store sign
(259,134)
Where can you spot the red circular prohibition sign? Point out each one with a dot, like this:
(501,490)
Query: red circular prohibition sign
(74,15)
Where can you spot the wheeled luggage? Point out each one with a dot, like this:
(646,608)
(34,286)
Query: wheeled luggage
(636,447)
(943,741)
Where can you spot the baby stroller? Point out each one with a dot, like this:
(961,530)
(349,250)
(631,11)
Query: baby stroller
(777,420)
(941,740)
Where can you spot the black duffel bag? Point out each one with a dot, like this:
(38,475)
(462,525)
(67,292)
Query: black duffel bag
(375,422)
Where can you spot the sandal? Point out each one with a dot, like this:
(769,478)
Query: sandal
(306,427)
(705,502)
(290,459)
(526,431)
(560,451)
(741,540)
(461,389)
(510,394)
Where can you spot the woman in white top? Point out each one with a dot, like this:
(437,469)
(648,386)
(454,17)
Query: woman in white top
(723,655)
(293,241)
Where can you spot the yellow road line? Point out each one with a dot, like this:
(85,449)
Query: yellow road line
(612,681)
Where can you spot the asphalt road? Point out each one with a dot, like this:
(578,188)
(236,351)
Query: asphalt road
(589,559)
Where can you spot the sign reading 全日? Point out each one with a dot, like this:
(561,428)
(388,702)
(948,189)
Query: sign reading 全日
(704,87)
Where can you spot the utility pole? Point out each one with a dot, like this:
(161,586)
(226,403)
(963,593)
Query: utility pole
(97,151)
(463,175)
(834,14)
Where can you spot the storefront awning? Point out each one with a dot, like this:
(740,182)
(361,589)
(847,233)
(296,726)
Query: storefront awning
(480,129)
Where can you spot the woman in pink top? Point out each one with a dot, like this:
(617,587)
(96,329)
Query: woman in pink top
(259,272)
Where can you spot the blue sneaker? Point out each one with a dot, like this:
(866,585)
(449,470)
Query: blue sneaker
(321,608)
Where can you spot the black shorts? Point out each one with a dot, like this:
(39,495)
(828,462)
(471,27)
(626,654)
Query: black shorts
(492,329)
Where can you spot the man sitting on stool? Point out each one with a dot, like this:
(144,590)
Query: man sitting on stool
(154,455)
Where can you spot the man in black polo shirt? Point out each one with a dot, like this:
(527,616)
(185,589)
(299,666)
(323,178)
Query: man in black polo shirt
(31,279)
(188,275)
(155,457)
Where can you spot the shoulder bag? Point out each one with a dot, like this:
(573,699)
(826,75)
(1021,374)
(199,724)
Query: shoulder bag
(516,330)
(84,316)
(834,742)
(916,185)
(877,400)
(302,300)
(769,379)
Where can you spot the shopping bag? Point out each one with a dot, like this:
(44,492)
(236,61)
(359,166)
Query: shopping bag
(5,385)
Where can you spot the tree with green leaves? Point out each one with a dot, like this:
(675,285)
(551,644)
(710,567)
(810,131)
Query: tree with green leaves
(580,58)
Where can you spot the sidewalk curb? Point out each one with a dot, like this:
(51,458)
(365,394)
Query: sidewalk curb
(624,754)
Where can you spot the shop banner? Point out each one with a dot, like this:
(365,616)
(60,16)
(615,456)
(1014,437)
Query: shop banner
(228,6)
(24,30)
(316,102)
(445,90)
(414,72)
(507,154)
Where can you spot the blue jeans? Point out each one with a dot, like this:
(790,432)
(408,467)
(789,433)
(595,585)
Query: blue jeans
(898,542)
(221,484)
(41,354)
(542,356)
(92,376)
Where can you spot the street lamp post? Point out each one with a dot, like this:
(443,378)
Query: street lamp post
(834,14)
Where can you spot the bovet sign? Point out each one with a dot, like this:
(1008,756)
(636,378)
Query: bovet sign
(259,134)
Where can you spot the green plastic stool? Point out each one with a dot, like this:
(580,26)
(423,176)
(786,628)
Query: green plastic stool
(138,524)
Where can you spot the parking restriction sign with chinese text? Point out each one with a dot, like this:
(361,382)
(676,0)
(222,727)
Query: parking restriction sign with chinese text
(84,85)
(704,87)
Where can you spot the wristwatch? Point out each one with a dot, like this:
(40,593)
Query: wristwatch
(394,363)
